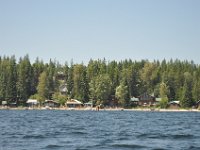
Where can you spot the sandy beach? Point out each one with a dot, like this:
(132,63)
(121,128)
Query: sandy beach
(105,109)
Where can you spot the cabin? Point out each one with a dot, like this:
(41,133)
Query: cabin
(4,103)
(134,102)
(51,104)
(73,103)
(88,104)
(146,100)
(174,105)
(32,102)
(12,104)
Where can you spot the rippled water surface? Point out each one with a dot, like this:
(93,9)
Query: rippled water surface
(91,130)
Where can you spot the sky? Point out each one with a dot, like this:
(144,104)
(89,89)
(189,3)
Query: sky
(81,30)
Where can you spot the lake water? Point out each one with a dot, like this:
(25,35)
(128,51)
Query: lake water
(105,130)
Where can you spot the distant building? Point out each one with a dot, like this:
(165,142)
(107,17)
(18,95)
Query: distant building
(158,100)
(63,89)
(4,103)
(32,102)
(51,103)
(88,104)
(174,105)
(73,103)
(12,104)
(146,100)
(134,101)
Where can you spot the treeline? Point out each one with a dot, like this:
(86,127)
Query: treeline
(100,80)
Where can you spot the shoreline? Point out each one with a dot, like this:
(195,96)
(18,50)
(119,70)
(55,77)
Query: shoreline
(106,109)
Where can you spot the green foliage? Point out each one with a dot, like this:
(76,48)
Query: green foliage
(148,75)
(35,96)
(196,87)
(60,98)
(100,88)
(186,95)
(164,90)
(163,94)
(100,80)
(80,83)
(186,99)
(122,94)
(42,88)
(24,78)
(50,79)
(164,102)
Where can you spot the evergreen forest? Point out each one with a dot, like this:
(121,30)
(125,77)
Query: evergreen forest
(99,80)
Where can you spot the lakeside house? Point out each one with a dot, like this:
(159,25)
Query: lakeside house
(13,104)
(4,103)
(73,103)
(146,100)
(51,103)
(32,102)
(174,105)
(88,104)
(134,101)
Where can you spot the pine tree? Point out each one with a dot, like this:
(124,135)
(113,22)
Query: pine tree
(196,87)
(80,90)
(186,99)
(3,79)
(24,78)
(11,90)
(42,87)
(122,94)
(100,89)
(37,69)
(50,79)
(164,91)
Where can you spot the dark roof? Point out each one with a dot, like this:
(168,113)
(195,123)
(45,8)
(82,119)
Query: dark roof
(146,96)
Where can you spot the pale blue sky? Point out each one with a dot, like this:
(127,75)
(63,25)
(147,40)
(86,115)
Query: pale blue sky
(114,29)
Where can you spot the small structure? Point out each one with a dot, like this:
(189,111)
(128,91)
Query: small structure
(63,89)
(146,100)
(73,103)
(158,100)
(4,103)
(12,104)
(88,104)
(134,101)
(174,105)
(32,102)
(51,103)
